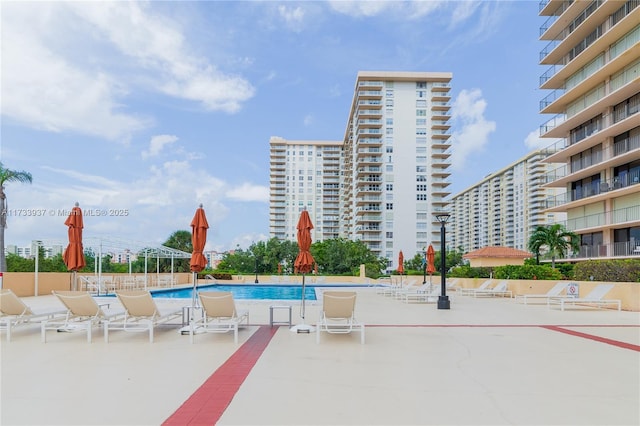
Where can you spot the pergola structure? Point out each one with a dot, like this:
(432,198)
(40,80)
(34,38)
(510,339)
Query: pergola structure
(101,245)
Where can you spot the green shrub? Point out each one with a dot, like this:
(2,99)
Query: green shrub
(528,272)
(623,270)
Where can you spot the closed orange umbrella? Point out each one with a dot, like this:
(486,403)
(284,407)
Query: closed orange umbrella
(431,260)
(304,262)
(401,265)
(199,228)
(73,255)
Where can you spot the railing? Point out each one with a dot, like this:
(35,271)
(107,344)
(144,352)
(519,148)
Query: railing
(601,187)
(622,249)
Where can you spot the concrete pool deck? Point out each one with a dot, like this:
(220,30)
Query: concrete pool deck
(485,361)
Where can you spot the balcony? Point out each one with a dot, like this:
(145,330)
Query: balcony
(590,191)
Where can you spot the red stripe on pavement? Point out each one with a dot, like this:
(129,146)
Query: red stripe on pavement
(617,343)
(208,403)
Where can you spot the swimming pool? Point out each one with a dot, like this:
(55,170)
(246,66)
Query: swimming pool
(259,292)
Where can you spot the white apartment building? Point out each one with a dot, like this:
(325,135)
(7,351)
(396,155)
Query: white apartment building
(304,175)
(592,55)
(396,161)
(505,207)
(383,183)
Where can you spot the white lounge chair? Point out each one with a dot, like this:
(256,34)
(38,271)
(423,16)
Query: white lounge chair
(140,314)
(425,293)
(219,315)
(500,289)
(470,291)
(594,298)
(338,314)
(83,313)
(14,312)
(554,291)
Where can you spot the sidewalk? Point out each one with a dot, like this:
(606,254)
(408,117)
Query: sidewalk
(485,361)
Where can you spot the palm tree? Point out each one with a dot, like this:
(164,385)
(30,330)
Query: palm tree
(556,239)
(7,175)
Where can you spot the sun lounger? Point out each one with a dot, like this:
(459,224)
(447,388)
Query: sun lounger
(500,289)
(83,313)
(338,314)
(14,312)
(219,315)
(470,291)
(141,314)
(594,298)
(555,291)
(425,293)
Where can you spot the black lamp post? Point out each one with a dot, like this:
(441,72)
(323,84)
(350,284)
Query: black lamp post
(256,257)
(443,299)
(424,270)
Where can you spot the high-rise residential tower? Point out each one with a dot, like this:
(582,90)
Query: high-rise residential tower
(383,183)
(504,208)
(304,175)
(592,55)
(396,161)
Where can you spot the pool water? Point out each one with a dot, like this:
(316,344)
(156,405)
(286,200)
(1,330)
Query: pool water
(259,292)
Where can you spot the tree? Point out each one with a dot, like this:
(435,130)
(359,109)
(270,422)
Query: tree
(179,240)
(7,175)
(556,239)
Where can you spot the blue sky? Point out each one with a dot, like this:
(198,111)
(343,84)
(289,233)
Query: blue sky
(155,107)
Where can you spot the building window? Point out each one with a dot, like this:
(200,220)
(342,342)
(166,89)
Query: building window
(421,103)
(389,234)
(389,168)
(421,197)
(421,121)
(421,150)
(389,187)
(421,159)
(421,169)
(421,131)
(389,93)
(389,121)
(421,112)
(421,84)
(421,178)
(421,141)
(421,93)
(388,103)
(389,206)
(421,187)
(389,131)
(389,149)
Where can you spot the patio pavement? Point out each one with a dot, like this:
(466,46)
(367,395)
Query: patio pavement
(486,361)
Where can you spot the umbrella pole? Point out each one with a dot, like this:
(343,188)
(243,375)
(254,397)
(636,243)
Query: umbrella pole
(303,307)
(303,328)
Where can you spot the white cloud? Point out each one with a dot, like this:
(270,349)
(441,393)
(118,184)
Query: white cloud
(368,9)
(249,192)
(293,17)
(42,89)
(533,141)
(157,144)
(70,66)
(468,111)
(158,44)
(308,120)
(463,11)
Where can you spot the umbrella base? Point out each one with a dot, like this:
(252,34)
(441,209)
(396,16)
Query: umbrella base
(303,328)
(187,329)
